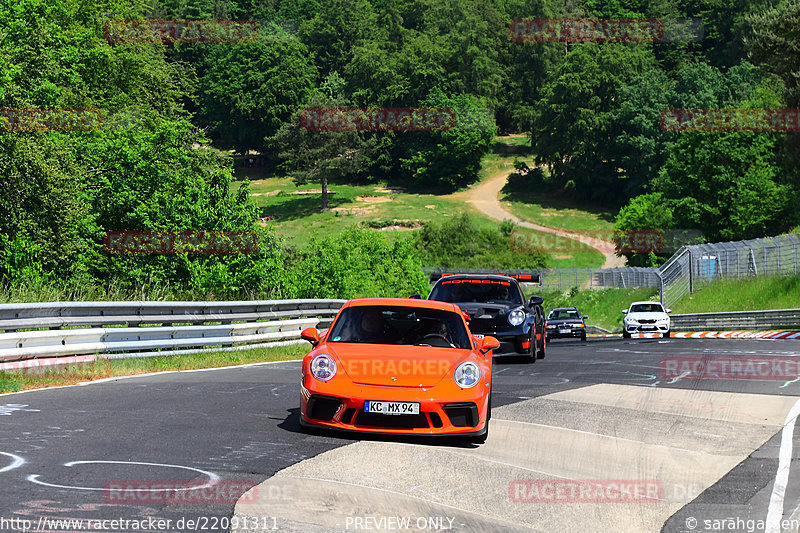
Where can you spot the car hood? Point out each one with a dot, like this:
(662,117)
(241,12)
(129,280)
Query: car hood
(647,316)
(396,366)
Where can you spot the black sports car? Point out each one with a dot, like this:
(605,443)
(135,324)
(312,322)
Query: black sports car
(496,306)
(566,322)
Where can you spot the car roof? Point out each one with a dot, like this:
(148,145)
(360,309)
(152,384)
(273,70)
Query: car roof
(494,277)
(646,302)
(564,309)
(404,302)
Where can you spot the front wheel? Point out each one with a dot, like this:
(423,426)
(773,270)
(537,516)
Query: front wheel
(666,334)
(480,439)
(626,335)
(583,338)
(530,358)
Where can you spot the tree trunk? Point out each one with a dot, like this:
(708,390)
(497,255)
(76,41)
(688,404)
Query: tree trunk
(324,192)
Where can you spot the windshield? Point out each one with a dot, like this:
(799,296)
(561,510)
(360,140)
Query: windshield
(400,325)
(476,290)
(562,314)
(647,308)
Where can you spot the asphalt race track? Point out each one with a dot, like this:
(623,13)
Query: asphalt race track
(600,412)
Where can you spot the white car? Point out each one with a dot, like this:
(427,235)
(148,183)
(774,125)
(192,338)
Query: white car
(646,317)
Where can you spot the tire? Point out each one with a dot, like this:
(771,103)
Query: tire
(532,356)
(542,351)
(583,338)
(626,335)
(667,334)
(480,439)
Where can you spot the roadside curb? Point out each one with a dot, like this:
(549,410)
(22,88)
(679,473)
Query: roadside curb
(786,335)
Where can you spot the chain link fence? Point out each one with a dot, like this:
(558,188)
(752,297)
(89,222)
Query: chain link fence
(699,264)
(689,268)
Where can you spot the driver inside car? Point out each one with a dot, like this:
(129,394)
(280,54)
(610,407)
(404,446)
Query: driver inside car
(373,328)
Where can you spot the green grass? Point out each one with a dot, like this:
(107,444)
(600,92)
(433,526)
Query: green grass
(68,375)
(554,211)
(749,294)
(297,217)
(604,306)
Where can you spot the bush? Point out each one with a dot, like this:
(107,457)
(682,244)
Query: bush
(459,243)
(355,264)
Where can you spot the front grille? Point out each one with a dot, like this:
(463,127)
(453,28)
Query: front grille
(647,321)
(463,414)
(323,407)
(347,417)
(391,421)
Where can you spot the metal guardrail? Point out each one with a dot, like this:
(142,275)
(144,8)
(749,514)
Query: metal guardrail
(153,328)
(737,320)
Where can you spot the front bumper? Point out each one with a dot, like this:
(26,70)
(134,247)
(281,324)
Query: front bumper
(646,328)
(574,333)
(444,409)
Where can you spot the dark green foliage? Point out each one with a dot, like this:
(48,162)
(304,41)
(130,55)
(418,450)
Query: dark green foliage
(460,243)
(358,263)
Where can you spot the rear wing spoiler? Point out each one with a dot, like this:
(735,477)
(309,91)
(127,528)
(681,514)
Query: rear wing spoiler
(522,276)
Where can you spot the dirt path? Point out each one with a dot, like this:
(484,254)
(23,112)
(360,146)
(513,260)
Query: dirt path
(485,197)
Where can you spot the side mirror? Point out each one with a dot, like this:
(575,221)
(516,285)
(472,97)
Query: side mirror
(311,335)
(624,311)
(535,300)
(415,297)
(669,311)
(489,344)
(585,317)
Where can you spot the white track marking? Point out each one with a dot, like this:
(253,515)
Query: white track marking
(16,462)
(213,479)
(775,513)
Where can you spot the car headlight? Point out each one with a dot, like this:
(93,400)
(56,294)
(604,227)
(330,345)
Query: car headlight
(516,317)
(579,325)
(467,375)
(551,326)
(631,321)
(323,367)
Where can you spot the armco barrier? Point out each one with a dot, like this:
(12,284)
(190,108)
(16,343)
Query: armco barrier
(151,328)
(733,320)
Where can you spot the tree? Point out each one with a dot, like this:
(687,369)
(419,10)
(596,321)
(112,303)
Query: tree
(249,89)
(574,125)
(320,155)
(449,158)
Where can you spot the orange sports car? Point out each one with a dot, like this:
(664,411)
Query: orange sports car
(398,366)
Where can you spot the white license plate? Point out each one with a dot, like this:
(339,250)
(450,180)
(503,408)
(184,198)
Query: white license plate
(391,408)
(565,331)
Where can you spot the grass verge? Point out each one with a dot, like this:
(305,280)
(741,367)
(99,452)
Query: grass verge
(747,294)
(603,306)
(107,368)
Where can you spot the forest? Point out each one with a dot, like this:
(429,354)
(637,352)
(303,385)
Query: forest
(170,118)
